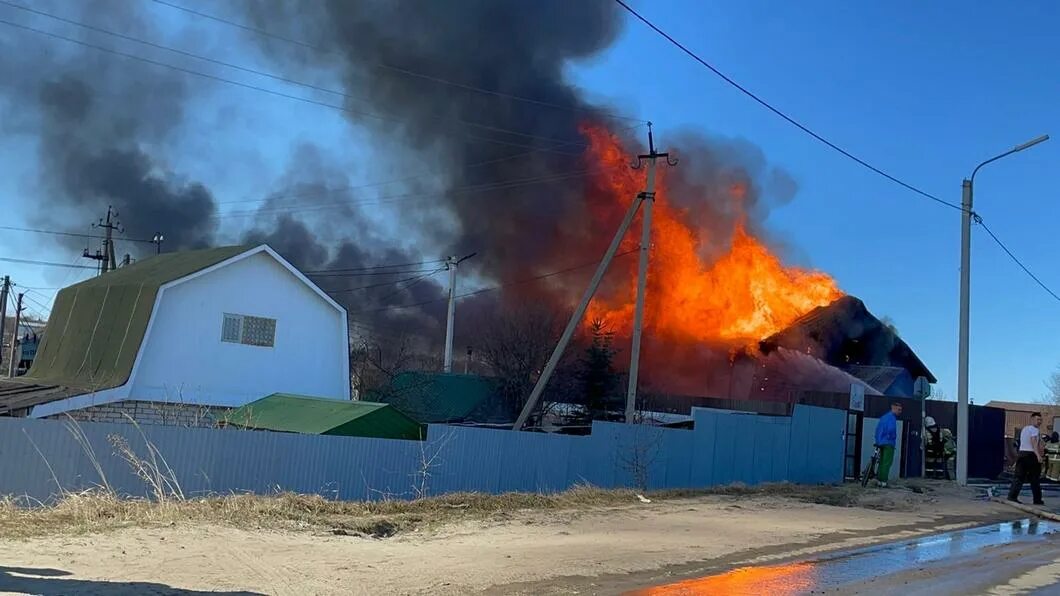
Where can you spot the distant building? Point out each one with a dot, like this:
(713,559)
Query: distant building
(1018,415)
(176,337)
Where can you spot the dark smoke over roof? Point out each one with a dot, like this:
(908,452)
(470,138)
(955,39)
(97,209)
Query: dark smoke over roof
(507,178)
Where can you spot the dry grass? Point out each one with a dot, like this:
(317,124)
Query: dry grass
(95,511)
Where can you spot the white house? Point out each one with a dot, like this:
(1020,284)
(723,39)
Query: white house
(176,336)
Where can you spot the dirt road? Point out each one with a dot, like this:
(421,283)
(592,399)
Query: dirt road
(595,550)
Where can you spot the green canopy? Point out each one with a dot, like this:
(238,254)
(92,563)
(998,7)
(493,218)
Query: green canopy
(318,416)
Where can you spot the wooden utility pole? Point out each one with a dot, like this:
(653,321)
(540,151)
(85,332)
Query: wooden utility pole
(4,291)
(646,199)
(12,363)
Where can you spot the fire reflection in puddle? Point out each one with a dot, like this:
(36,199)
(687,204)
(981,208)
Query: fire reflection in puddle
(779,580)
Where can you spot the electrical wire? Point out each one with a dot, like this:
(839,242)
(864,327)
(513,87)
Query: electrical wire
(1015,260)
(61,233)
(415,176)
(412,283)
(405,71)
(340,108)
(496,287)
(783,115)
(370,286)
(370,273)
(45,309)
(386,199)
(262,73)
(375,267)
(553,149)
(45,263)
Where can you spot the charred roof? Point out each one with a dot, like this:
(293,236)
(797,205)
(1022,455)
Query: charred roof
(844,333)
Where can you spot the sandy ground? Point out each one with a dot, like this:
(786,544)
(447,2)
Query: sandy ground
(521,552)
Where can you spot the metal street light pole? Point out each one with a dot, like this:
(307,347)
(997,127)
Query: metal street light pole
(967,214)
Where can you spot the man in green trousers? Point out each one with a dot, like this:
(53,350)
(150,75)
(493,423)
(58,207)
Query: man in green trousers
(886,439)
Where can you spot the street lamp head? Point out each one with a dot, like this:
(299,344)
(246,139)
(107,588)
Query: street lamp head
(1031,143)
(1015,149)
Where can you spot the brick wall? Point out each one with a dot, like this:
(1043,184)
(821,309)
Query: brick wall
(145,412)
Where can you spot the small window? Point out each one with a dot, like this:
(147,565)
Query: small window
(232,329)
(248,330)
(259,331)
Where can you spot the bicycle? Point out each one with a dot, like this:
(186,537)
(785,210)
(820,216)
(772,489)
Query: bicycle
(871,469)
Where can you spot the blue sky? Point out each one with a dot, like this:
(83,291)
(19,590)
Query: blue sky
(924,91)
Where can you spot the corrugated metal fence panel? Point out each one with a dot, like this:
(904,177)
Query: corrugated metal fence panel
(705,431)
(821,439)
(677,454)
(724,447)
(780,441)
(798,453)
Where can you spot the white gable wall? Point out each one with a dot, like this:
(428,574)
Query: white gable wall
(183,359)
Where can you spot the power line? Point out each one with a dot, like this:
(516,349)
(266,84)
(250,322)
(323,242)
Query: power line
(412,283)
(1015,260)
(44,309)
(386,199)
(371,115)
(45,263)
(370,273)
(405,71)
(370,286)
(61,233)
(496,287)
(375,267)
(783,115)
(469,188)
(262,73)
(415,176)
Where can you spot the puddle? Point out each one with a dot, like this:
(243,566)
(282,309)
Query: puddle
(861,564)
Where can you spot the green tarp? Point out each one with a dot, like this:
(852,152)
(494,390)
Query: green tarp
(96,327)
(317,416)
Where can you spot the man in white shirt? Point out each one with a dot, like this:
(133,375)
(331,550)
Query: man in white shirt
(1029,462)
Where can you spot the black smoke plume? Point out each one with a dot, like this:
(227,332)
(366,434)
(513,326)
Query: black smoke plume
(500,172)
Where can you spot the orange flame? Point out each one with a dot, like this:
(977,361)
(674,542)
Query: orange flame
(745,294)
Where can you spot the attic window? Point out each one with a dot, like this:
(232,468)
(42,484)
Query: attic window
(248,330)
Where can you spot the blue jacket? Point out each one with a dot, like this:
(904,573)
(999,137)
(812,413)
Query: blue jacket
(887,430)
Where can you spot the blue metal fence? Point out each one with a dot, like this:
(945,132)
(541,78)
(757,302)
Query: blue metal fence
(39,456)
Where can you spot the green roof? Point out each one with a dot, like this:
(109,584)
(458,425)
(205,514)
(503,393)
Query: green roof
(318,416)
(440,397)
(96,326)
